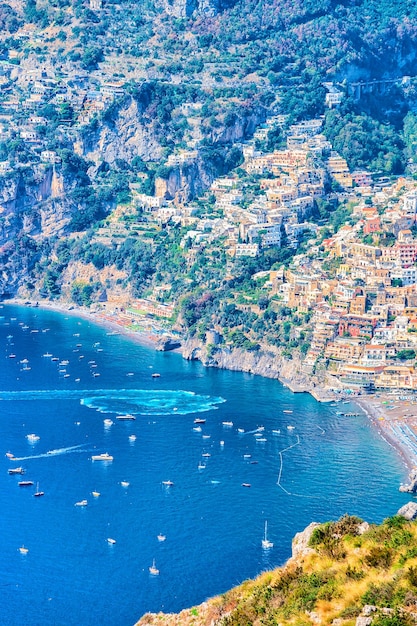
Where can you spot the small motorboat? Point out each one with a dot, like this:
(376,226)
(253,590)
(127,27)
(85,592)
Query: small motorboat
(111,541)
(246,484)
(153,569)
(26,483)
(227,424)
(23,550)
(125,483)
(132,437)
(95,494)
(16,470)
(81,503)
(168,483)
(161,537)
(199,420)
(128,416)
(9,455)
(32,438)
(102,457)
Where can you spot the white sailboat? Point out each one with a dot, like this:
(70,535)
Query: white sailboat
(266,544)
(153,569)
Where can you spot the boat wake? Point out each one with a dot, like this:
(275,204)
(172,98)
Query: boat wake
(125,401)
(56,452)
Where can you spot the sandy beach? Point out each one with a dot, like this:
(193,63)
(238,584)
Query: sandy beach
(143,334)
(394,415)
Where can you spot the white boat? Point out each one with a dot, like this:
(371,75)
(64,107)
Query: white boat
(128,416)
(206,454)
(201,466)
(16,470)
(102,457)
(81,503)
(95,494)
(10,455)
(227,423)
(266,544)
(287,411)
(161,537)
(108,422)
(240,430)
(197,429)
(23,550)
(153,569)
(276,432)
(155,375)
(111,541)
(222,443)
(124,483)
(168,483)
(290,427)
(32,437)
(132,437)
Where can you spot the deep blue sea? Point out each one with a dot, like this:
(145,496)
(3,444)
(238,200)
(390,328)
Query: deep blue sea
(213,525)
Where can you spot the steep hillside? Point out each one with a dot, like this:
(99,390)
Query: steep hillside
(342,573)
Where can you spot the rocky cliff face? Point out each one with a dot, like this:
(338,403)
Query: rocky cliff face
(265,362)
(185,8)
(123,137)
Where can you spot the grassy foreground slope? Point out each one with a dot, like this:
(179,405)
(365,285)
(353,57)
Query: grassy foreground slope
(350,573)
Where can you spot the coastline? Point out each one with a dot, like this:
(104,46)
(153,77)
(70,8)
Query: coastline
(395,423)
(392,416)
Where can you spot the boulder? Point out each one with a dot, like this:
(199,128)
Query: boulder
(301,540)
(411,487)
(409,510)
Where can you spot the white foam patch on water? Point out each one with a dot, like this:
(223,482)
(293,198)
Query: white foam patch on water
(125,401)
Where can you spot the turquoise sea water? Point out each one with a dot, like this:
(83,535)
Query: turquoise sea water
(213,526)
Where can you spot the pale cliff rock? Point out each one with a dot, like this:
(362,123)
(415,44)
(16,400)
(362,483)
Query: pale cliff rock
(301,540)
(409,510)
(266,362)
(410,487)
(184,182)
(128,136)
